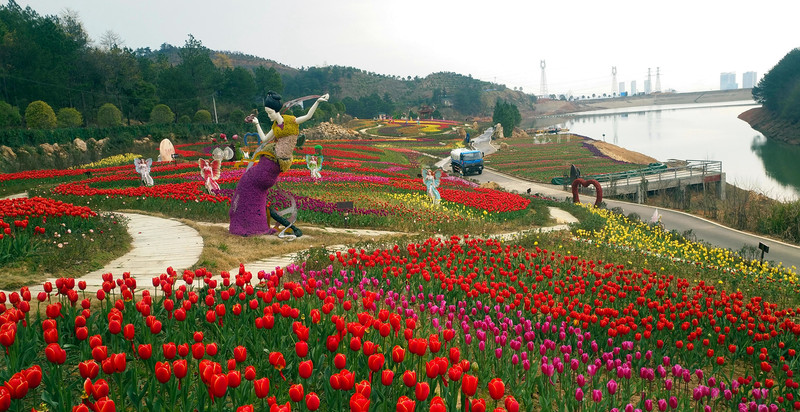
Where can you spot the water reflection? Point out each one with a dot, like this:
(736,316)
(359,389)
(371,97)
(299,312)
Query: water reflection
(780,160)
(700,132)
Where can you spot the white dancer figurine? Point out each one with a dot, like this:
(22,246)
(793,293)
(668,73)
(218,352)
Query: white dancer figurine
(143,168)
(432,180)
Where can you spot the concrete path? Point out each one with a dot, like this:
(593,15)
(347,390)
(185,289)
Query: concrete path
(158,243)
(16,196)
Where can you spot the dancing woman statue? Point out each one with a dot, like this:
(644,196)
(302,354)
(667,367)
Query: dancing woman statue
(248,212)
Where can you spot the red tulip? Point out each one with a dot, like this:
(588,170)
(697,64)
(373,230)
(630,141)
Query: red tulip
(301,349)
(198,350)
(511,404)
(305,369)
(261,387)
(163,372)
(469,384)
(33,375)
(387,376)
(51,336)
(180,368)
(145,351)
(398,354)
(100,353)
(421,391)
(212,349)
(312,401)
(5,398)
(364,388)
(17,386)
(296,392)
(89,369)
(250,372)
(240,354)
(496,388)
(219,384)
(128,331)
(478,405)
(410,378)
(234,379)
(375,362)
(404,404)
(245,408)
(120,362)
(340,361)
(55,354)
(359,403)
(99,389)
(105,405)
(437,405)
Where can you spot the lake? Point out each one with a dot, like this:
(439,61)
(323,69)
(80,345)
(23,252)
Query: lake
(700,132)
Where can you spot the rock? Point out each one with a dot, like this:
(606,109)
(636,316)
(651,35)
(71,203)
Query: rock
(498,131)
(490,185)
(80,144)
(8,153)
(330,131)
(519,133)
(503,146)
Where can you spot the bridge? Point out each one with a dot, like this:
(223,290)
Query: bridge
(638,182)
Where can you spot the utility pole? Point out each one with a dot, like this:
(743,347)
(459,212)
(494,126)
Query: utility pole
(214,103)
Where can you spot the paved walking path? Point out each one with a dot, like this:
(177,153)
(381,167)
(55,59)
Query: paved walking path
(158,243)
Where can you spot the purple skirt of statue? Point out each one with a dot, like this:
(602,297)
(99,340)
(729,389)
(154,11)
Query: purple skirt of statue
(248,211)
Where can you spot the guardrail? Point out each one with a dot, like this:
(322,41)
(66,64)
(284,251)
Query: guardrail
(690,169)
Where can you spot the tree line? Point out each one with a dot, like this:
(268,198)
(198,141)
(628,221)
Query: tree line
(779,90)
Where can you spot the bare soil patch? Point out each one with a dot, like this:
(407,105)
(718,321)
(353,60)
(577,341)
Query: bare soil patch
(623,155)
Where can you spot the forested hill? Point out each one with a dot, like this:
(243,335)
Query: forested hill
(52,59)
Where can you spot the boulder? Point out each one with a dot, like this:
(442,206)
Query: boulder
(7,153)
(80,145)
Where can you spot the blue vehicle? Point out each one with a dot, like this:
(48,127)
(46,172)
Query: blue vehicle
(466,161)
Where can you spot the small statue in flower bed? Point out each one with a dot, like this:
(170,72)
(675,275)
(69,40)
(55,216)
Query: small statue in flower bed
(210,171)
(143,168)
(432,179)
(314,162)
(248,212)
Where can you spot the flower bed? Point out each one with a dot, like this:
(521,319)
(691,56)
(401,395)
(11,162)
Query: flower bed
(427,326)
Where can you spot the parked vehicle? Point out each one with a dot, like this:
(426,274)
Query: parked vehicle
(466,161)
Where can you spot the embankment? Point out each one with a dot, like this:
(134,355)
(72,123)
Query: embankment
(771,126)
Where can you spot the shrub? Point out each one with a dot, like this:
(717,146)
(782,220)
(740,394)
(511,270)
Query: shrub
(69,117)
(185,119)
(108,116)
(39,115)
(9,115)
(202,116)
(162,114)
(236,116)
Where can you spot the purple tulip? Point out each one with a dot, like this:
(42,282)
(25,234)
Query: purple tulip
(579,394)
(611,386)
(597,395)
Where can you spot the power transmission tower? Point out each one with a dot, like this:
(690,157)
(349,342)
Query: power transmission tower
(613,80)
(658,79)
(543,85)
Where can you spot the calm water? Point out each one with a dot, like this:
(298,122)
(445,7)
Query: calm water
(701,132)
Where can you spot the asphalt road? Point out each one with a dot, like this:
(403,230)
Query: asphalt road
(705,230)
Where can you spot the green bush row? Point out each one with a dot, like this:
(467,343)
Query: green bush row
(120,135)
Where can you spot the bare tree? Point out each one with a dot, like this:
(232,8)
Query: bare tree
(111,40)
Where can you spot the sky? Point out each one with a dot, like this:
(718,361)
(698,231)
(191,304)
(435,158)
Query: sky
(504,41)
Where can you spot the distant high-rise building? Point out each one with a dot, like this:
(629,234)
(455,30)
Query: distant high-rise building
(749,80)
(621,87)
(727,81)
(633,88)
(647,87)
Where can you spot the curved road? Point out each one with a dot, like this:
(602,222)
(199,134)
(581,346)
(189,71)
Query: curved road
(705,230)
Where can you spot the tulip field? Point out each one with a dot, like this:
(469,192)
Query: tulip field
(624,317)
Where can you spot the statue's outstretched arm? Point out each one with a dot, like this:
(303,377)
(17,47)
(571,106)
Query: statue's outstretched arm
(303,118)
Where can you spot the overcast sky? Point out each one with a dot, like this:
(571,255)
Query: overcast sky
(691,42)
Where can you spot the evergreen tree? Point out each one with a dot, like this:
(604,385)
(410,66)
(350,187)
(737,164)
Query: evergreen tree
(779,89)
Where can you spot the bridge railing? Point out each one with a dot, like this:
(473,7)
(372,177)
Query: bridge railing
(691,168)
